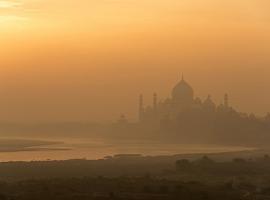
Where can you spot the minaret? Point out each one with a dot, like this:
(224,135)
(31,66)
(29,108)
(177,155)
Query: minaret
(226,101)
(155,102)
(141,108)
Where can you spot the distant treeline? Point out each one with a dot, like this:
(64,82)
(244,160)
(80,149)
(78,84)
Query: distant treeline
(196,168)
(238,167)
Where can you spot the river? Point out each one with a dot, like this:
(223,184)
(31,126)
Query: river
(63,149)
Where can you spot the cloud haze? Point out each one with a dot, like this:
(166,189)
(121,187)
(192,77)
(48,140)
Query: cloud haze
(63,60)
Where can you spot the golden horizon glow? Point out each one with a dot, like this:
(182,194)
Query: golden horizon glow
(71,46)
(9,4)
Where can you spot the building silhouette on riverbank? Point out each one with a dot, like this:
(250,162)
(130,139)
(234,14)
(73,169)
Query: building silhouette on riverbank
(182,117)
(182,100)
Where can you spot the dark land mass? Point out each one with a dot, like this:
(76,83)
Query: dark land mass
(223,176)
(110,166)
(100,188)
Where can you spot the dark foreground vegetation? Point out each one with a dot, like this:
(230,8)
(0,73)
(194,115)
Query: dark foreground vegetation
(144,188)
(127,177)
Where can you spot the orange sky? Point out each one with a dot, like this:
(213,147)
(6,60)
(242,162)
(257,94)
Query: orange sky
(64,60)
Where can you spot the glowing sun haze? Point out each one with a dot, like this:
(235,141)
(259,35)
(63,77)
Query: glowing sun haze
(66,60)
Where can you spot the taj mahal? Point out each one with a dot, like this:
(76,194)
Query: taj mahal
(187,118)
(182,100)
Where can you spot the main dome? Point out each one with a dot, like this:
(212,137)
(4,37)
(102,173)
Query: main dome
(182,92)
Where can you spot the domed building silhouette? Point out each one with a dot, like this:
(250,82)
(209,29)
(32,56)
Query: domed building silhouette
(182,92)
(185,118)
(182,95)
(182,100)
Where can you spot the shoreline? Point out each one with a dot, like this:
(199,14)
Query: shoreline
(226,155)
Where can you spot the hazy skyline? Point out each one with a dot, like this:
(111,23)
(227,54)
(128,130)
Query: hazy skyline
(89,60)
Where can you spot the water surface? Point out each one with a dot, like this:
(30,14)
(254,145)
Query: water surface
(63,149)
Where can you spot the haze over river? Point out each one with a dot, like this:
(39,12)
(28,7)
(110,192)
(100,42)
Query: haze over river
(63,149)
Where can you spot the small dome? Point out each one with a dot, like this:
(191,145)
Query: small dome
(182,91)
